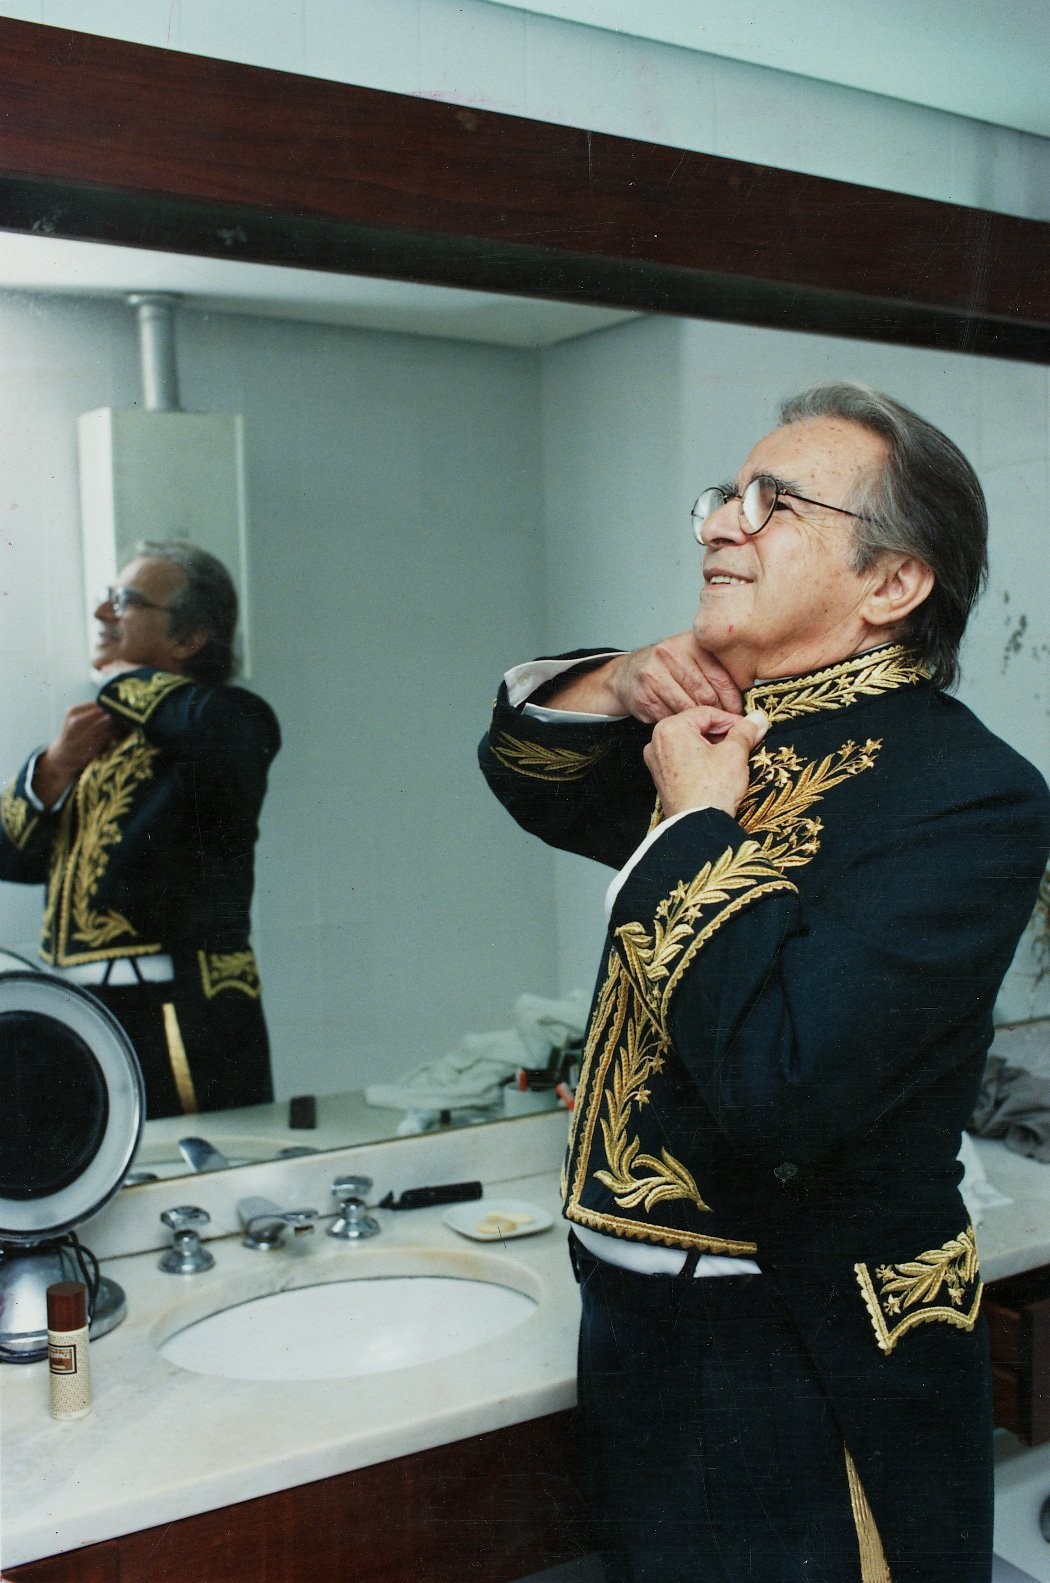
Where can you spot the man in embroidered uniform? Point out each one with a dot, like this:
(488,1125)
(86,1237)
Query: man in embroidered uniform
(141,818)
(783,1372)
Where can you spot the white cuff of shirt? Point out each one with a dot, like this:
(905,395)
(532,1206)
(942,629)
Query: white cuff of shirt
(31,795)
(523,680)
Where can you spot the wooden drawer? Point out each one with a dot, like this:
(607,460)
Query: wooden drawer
(1018,1312)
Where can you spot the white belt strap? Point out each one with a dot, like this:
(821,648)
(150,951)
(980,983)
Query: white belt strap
(644,1259)
(118,972)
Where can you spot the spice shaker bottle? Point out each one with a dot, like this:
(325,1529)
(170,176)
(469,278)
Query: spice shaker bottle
(67,1349)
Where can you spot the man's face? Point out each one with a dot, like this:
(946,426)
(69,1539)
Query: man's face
(140,636)
(793,601)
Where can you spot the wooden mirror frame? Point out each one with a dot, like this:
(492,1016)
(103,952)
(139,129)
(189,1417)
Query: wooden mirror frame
(108,141)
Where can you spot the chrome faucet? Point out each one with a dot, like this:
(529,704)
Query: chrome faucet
(200,1155)
(265,1223)
(353,1222)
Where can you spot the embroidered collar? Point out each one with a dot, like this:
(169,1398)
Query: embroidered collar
(866,675)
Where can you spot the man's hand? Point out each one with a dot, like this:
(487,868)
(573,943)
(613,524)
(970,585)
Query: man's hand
(699,758)
(653,683)
(86,731)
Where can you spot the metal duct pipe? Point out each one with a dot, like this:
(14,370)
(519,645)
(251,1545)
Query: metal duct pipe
(155,311)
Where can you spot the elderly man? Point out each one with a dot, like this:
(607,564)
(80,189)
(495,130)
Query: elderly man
(141,818)
(824,863)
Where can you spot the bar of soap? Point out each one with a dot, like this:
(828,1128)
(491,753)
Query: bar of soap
(497,1223)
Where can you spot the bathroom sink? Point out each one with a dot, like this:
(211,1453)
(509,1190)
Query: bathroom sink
(345,1328)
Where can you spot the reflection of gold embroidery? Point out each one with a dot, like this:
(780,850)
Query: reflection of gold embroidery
(178,1060)
(631,1019)
(15,817)
(907,1293)
(229,970)
(90,826)
(865,676)
(544,763)
(136,697)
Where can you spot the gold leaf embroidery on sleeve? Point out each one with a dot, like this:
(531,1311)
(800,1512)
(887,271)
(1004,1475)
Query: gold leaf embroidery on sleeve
(911,1293)
(15,815)
(545,763)
(136,697)
(222,970)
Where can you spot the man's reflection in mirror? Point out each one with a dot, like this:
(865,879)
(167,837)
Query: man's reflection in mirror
(141,818)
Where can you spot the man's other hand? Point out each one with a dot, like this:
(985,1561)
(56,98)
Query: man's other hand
(700,758)
(663,679)
(86,731)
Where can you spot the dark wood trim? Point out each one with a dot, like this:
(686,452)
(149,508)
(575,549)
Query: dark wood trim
(490,1510)
(110,141)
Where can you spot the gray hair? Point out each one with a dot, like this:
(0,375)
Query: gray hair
(926,501)
(206,600)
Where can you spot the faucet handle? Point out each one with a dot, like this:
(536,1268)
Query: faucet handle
(185,1256)
(347,1187)
(353,1223)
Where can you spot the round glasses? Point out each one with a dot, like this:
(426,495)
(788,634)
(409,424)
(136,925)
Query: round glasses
(757,504)
(121,600)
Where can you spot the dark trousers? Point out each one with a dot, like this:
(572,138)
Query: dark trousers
(224,1040)
(713,1452)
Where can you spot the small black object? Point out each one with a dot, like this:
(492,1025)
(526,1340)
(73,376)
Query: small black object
(302,1111)
(423,1197)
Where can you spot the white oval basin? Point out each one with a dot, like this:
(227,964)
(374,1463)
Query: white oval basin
(347,1328)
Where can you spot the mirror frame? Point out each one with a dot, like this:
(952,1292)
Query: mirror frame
(109,141)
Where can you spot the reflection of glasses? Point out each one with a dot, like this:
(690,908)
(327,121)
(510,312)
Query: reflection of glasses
(122,599)
(758,502)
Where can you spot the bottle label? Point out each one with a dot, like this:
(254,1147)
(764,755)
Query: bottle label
(62,1360)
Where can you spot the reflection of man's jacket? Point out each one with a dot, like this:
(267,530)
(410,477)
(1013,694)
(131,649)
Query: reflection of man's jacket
(794,1006)
(153,849)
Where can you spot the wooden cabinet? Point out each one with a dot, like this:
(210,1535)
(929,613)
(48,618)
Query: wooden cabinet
(1018,1311)
(487,1510)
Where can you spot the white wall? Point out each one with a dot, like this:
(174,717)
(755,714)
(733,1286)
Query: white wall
(621,474)
(393,494)
(472,52)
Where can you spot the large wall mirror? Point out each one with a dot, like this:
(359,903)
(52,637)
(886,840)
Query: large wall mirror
(444,479)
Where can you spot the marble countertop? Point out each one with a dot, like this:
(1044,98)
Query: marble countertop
(162,1443)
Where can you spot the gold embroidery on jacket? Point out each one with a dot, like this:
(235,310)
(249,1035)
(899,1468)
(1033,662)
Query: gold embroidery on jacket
(229,970)
(637,1046)
(15,814)
(545,763)
(89,828)
(904,1295)
(873,1566)
(136,697)
(865,676)
(631,1018)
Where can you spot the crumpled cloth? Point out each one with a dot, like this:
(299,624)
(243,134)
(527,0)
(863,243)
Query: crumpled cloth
(1014,1104)
(472,1076)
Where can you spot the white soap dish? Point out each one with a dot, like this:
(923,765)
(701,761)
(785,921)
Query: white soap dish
(497,1219)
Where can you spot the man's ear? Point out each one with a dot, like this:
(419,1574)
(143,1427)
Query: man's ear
(189,644)
(903,582)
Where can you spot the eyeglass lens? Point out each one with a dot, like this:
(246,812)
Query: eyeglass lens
(756,504)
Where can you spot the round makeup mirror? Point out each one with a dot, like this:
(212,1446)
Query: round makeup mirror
(72,1099)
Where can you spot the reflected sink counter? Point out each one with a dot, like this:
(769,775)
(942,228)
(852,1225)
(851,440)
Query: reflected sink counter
(162,1443)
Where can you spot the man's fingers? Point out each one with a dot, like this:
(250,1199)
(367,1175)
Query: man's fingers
(749,729)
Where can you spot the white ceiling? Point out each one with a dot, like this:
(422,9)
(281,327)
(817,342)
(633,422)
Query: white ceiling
(986,59)
(46,265)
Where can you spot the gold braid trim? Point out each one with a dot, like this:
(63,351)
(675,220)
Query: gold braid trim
(873,1565)
(544,763)
(865,676)
(15,816)
(221,970)
(916,1284)
(178,1060)
(136,697)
